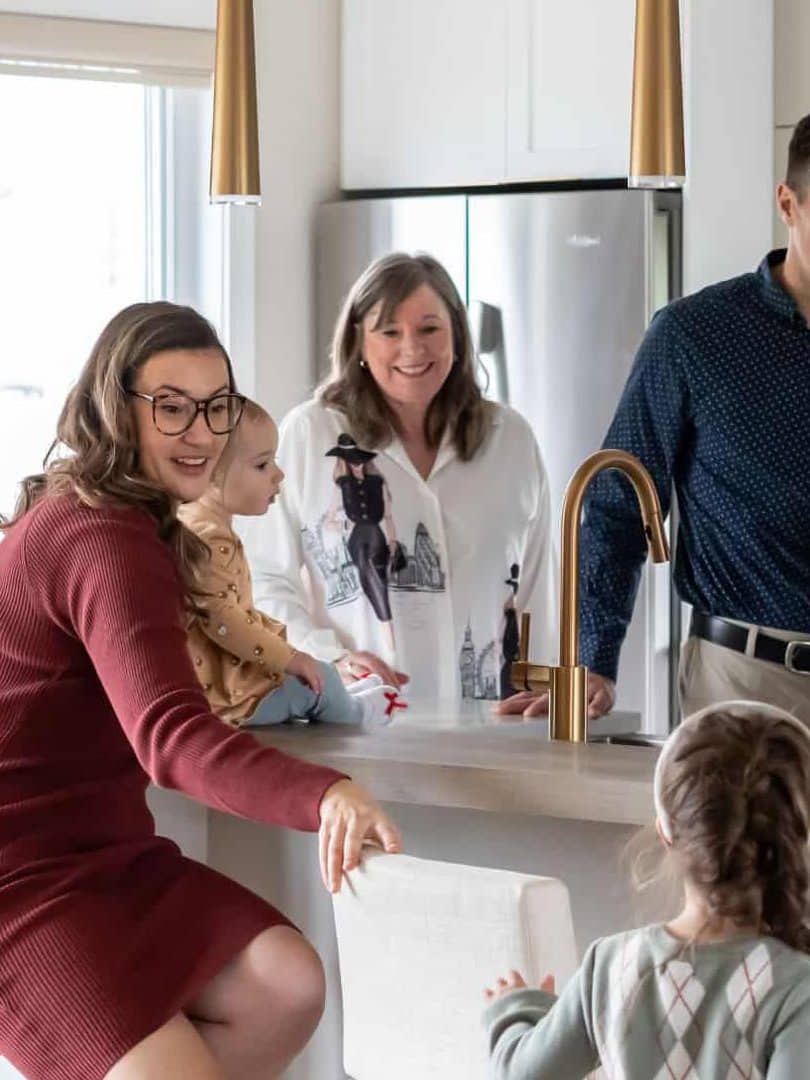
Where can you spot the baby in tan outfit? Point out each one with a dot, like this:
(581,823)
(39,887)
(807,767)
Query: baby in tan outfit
(249,672)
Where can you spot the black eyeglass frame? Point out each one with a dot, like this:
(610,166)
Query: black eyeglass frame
(199,407)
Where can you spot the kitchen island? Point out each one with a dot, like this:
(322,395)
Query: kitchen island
(465,757)
(464,786)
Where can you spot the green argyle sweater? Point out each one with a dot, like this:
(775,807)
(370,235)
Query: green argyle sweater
(646,1007)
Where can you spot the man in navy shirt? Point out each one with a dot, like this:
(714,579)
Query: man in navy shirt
(717,406)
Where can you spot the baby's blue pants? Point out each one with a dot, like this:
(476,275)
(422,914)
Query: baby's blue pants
(293,699)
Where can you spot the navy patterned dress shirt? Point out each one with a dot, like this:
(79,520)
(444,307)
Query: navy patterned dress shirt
(718,405)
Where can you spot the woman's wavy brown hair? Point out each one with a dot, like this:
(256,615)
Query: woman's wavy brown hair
(459,406)
(97,459)
(736,791)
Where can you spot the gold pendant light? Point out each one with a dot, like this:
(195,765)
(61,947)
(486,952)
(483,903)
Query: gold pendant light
(235,136)
(656,144)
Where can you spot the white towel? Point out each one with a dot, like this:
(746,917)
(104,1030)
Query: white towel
(419,941)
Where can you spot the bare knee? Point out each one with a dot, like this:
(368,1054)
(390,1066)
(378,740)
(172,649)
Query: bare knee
(307,985)
(175,1049)
(289,976)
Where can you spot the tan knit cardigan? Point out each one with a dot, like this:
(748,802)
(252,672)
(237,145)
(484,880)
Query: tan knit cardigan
(239,653)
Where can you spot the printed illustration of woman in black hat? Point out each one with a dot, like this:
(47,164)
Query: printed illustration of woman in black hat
(510,642)
(365,502)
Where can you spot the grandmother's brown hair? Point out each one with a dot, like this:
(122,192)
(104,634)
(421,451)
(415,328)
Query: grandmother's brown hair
(736,792)
(459,406)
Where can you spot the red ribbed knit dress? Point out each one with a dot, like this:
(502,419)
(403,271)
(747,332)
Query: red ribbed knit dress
(106,930)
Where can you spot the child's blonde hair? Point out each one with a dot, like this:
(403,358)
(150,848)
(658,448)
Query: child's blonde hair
(735,792)
(252,413)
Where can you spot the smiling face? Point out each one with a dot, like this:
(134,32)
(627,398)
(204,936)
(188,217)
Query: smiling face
(410,355)
(180,464)
(252,478)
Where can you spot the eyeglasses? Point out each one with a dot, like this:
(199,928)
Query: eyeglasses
(173,414)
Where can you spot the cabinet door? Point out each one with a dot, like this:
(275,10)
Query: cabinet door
(423,93)
(569,88)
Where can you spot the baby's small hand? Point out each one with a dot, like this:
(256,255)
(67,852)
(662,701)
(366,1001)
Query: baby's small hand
(513,981)
(307,669)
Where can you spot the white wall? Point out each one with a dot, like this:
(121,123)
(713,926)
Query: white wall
(728,111)
(297,55)
(200,14)
(791,87)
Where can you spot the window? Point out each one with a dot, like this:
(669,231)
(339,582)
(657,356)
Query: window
(103,202)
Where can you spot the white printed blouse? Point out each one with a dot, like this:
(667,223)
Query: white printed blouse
(361,552)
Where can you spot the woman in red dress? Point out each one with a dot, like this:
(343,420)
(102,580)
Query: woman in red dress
(119,957)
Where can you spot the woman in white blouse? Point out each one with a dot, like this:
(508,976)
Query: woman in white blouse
(439,533)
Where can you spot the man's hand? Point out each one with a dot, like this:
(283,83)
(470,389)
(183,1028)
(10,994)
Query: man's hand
(601,697)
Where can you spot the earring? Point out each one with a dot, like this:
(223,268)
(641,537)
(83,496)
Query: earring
(363,364)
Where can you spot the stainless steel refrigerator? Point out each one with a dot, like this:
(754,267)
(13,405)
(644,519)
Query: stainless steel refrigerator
(560,286)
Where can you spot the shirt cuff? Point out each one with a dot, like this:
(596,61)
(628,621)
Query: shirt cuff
(527,1004)
(602,658)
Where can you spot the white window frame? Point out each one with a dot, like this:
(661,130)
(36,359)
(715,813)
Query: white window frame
(93,49)
(164,59)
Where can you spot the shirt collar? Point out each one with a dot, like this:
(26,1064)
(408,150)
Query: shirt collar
(446,453)
(775,296)
(397,452)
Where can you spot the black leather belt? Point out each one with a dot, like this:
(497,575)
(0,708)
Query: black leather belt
(793,655)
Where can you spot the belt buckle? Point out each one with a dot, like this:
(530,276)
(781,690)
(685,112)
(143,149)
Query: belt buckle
(792,646)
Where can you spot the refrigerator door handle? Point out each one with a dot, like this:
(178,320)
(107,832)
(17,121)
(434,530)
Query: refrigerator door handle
(486,326)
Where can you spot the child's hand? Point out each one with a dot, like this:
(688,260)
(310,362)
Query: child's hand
(515,981)
(307,669)
(354,665)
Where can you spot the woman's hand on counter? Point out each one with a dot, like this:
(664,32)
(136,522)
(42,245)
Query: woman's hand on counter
(354,665)
(601,698)
(349,817)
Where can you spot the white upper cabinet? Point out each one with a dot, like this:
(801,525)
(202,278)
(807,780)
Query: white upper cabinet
(465,92)
(423,93)
(569,88)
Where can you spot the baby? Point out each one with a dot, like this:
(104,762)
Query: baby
(249,672)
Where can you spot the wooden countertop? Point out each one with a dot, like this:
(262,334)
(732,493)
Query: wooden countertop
(462,756)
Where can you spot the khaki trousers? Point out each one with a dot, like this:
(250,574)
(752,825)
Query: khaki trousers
(711,673)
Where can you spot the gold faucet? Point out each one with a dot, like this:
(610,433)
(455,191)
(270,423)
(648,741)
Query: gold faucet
(567,683)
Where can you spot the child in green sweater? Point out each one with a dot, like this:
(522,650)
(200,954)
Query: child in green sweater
(722,991)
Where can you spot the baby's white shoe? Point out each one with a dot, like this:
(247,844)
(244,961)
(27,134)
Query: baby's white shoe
(368,682)
(378,704)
